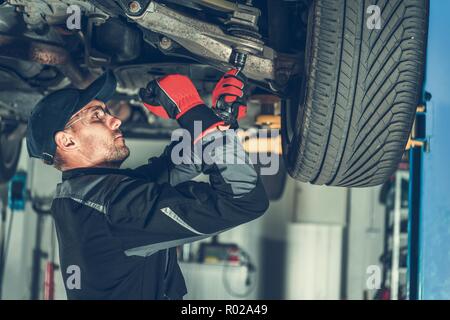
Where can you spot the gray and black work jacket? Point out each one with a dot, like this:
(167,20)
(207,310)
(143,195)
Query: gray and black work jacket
(118,228)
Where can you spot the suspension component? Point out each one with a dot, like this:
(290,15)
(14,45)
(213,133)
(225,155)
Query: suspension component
(206,41)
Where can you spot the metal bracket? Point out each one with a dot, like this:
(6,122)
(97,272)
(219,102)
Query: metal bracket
(93,57)
(417,137)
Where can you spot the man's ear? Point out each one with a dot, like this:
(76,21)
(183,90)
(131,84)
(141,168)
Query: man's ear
(65,141)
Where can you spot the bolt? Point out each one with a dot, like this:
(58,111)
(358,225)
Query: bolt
(134,6)
(165,43)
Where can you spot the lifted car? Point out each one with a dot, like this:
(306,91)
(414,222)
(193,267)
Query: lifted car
(347,74)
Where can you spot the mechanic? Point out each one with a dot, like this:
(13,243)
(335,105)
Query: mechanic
(119,228)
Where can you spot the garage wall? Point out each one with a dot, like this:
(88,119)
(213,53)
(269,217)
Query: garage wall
(320,204)
(366,236)
(18,270)
(314,242)
(313,264)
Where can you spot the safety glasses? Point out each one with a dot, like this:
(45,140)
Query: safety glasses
(95,114)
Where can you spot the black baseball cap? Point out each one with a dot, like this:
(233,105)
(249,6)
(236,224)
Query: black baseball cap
(52,113)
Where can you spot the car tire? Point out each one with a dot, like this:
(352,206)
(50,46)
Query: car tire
(351,121)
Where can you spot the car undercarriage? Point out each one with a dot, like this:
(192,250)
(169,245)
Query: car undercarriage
(315,64)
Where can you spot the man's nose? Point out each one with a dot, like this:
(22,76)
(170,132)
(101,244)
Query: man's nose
(114,123)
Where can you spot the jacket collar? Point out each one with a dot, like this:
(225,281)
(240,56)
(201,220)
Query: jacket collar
(73,173)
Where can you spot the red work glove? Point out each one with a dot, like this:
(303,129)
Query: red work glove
(227,96)
(175,96)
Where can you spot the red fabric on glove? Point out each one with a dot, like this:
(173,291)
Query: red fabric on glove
(232,88)
(179,93)
(228,85)
(159,111)
(242,112)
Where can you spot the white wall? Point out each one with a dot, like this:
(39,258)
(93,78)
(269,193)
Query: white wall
(313,266)
(320,204)
(366,236)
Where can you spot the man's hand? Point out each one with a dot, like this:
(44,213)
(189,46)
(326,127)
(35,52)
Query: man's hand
(227,97)
(175,96)
(170,96)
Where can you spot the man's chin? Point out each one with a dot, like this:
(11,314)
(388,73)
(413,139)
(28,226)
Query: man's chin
(126,153)
(119,156)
